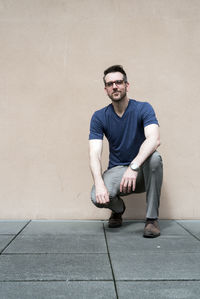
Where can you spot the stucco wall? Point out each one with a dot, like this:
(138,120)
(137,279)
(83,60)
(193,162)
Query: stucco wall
(52,56)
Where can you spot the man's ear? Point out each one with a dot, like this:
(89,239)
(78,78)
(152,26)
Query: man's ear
(127,86)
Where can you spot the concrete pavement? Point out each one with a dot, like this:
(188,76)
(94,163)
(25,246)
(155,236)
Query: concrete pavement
(86,259)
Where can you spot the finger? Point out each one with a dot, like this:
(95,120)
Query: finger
(133,185)
(98,199)
(107,199)
(121,185)
(129,186)
(125,183)
(125,186)
(124,189)
(103,199)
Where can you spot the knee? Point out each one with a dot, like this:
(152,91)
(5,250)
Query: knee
(155,162)
(113,190)
(93,195)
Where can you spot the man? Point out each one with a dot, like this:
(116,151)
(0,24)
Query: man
(132,131)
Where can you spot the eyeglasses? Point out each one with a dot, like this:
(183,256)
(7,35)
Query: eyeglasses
(117,82)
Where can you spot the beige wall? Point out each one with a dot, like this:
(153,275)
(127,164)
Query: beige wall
(52,56)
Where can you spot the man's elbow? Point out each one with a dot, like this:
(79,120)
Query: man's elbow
(158,142)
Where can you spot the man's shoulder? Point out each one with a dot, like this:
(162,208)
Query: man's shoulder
(140,105)
(101,112)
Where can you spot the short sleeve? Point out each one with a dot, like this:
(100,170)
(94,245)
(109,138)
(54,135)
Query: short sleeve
(148,115)
(96,128)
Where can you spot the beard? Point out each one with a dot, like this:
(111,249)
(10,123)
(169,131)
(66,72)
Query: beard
(117,96)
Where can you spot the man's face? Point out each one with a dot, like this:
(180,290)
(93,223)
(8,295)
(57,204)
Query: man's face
(115,86)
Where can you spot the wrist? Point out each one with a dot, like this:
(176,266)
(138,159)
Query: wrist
(99,182)
(134,166)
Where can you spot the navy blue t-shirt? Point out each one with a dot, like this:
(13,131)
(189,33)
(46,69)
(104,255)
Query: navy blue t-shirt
(125,134)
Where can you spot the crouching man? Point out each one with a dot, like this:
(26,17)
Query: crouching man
(134,166)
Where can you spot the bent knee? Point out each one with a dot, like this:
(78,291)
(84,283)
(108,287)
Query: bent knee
(155,161)
(113,191)
(93,195)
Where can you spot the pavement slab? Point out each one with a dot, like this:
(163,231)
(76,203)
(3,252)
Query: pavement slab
(63,227)
(58,290)
(76,243)
(156,266)
(54,267)
(193,226)
(127,243)
(159,290)
(172,228)
(11,227)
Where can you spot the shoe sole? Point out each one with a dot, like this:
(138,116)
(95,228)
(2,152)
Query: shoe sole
(114,226)
(151,236)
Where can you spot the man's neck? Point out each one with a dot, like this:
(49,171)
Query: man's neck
(120,106)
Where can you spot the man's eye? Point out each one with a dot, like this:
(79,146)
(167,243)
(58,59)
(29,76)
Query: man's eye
(119,82)
(109,84)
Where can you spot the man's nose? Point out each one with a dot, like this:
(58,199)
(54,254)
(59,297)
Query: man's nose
(114,85)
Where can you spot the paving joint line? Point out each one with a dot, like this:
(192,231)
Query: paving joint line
(100,280)
(187,230)
(55,253)
(57,280)
(86,280)
(32,280)
(158,280)
(15,236)
(109,257)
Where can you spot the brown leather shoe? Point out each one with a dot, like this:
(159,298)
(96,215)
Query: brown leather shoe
(115,219)
(152,229)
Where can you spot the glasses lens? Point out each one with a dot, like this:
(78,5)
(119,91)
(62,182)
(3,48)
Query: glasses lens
(109,84)
(119,82)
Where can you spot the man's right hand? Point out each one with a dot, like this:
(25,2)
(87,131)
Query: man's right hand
(102,195)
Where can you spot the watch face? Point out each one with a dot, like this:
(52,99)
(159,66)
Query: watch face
(134,167)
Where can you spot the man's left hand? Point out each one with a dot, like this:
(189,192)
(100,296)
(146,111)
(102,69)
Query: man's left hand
(128,181)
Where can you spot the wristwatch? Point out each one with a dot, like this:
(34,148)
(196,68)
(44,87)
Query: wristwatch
(134,166)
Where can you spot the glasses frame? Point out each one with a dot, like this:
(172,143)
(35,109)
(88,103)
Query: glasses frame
(109,84)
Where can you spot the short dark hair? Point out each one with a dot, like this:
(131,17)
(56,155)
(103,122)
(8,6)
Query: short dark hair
(113,69)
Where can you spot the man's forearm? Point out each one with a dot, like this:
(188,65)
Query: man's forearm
(96,170)
(146,149)
(102,195)
(95,151)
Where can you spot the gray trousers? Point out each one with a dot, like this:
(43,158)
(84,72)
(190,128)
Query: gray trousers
(149,180)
